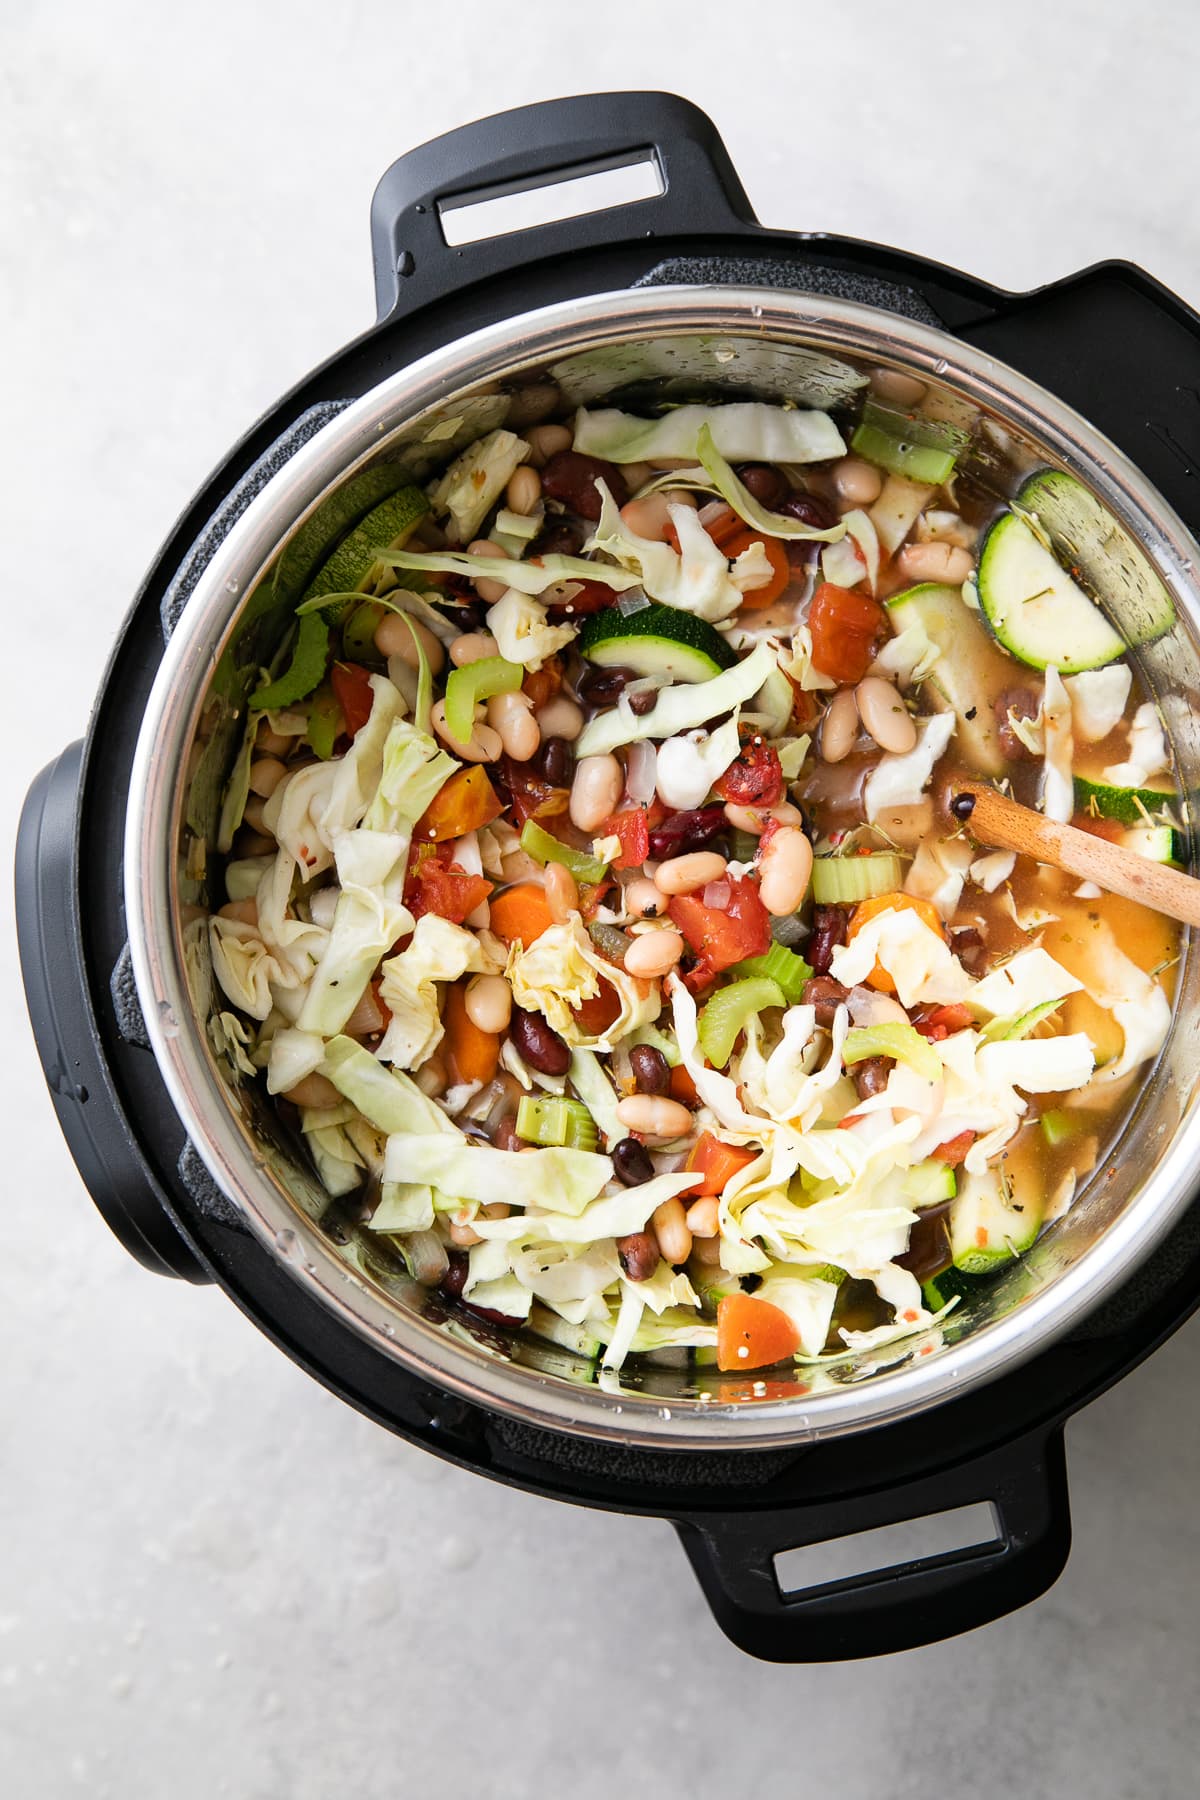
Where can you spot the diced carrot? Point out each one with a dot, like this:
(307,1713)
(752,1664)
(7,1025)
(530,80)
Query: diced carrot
(467,801)
(473,1053)
(718,1163)
(521,913)
(870,909)
(954,1150)
(752,1334)
(683,1088)
(781,569)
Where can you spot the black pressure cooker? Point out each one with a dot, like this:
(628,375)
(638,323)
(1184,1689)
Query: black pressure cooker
(678,294)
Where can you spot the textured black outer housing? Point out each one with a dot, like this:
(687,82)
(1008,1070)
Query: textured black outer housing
(1110,342)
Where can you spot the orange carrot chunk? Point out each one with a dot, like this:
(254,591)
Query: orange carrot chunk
(717,1162)
(473,1053)
(521,913)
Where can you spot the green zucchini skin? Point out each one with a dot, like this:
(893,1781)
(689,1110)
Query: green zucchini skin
(1033,607)
(658,640)
(1086,537)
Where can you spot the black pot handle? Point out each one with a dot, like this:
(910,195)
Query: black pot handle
(904,1606)
(64,1027)
(535,146)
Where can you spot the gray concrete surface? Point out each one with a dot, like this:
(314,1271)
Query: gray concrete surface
(214,1579)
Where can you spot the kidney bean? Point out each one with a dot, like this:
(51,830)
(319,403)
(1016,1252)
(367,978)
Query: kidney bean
(539,1044)
(556,762)
(454,1280)
(571,478)
(828,931)
(970,949)
(603,687)
(767,484)
(559,537)
(682,832)
(651,1070)
(638,1255)
(826,995)
(871,1075)
(809,510)
(631,1162)
(505,1137)
(928,1243)
(643,702)
(1024,702)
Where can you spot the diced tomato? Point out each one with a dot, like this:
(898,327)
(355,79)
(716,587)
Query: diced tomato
(682,1087)
(752,1334)
(589,597)
(630,826)
(954,1150)
(464,803)
(769,590)
(844,627)
(754,777)
(353,693)
(532,797)
(434,884)
(595,1016)
(718,1163)
(943,1022)
(721,938)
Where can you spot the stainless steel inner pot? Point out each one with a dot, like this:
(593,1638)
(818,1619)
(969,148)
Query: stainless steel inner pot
(732,342)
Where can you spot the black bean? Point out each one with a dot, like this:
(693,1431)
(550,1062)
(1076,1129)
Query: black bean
(826,995)
(643,702)
(539,1044)
(809,510)
(871,1075)
(631,1162)
(828,931)
(559,537)
(651,1070)
(638,1255)
(962,806)
(1024,703)
(556,762)
(454,1280)
(603,687)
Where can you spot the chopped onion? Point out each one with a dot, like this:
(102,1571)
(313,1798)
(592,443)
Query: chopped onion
(426,1257)
(717,895)
(641,771)
(467,855)
(632,602)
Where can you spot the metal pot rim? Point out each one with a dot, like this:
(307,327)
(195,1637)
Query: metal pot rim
(181,1049)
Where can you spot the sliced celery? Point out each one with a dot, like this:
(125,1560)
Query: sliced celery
(553,1123)
(478,681)
(901,1042)
(545,848)
(1058,1126)
(787,970)
(841,880)
(727,1012)
(1018,1025)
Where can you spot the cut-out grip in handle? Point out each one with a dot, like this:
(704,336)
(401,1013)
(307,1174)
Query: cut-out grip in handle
(534,146)
(901,1607)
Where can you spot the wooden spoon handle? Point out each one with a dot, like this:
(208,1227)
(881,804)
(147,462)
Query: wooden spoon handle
(1003,824)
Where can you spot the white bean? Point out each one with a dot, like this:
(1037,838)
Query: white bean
(266,773)
(856,482)
(314,1090)
(686,874)
(524,490)
(529,404)
(562,892)
(885,716)
(488,1002)
(754,819)
(244,911)
(511,718)
(472,647)
(935,561)
(897,388)
(561,718)
(704,1216)
(489,591)
(785,871)
(671,1230)
(839,727)
(644,900)
(484,745)
(597,787)
(394,637)
(651,954)
(653,1115)
(546,441)
(273,743)
(648,517)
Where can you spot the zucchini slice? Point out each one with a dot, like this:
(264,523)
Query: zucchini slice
(1128,806)
(1033,607)
(990,1223)
(1158,843)
(1086,537)
(969,670)
(658,640)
